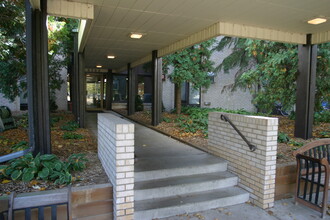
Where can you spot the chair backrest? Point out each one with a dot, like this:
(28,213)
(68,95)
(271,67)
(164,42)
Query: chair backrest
(40,202)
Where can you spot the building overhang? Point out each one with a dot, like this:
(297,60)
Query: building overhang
(168,26)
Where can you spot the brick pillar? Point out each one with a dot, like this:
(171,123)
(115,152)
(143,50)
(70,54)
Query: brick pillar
(116,152)
(256,170)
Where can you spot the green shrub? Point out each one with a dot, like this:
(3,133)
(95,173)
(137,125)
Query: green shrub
(323,116)
(138,103)
(71,135)
(167,120)
(70,126)
(22,145)
(283,138)
(325,134)
(23,121)
(44,167)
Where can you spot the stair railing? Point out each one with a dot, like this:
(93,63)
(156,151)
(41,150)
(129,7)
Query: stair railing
(226,119)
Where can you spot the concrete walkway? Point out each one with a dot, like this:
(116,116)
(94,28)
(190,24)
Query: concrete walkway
(151,146)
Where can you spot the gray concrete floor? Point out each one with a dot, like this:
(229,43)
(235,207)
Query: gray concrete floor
(150,144)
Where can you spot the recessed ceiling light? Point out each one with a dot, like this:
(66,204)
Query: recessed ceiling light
(317,21)
(98,66)
(111,57)
(135,35)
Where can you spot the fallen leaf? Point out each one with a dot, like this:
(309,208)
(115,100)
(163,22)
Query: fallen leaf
(284,203)
(270,212)
(5,181)
(228,213)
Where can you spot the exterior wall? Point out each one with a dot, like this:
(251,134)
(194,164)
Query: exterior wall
(215,95)
(168,94)
(116,153)
(14,106)
(256,170)
(61,95)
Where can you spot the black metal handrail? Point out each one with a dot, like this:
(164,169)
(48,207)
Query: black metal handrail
(251,146)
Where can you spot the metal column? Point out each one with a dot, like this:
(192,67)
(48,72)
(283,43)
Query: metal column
(108,95)
(156,88)
(307,55)
(81,90)
(37,78)
(131,90)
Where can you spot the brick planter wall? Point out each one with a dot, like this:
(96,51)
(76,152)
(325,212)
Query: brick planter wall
(116,153)
(285,183)
(256,170)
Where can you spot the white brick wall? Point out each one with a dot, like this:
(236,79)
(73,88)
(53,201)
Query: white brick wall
(61,95)
(116,153)
(256,170)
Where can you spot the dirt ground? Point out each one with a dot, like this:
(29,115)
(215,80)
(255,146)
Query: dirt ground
(63,148)
(284,150)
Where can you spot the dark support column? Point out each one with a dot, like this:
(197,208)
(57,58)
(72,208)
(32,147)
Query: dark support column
(81,90)
(37,78)
(75,80)
(108,95)
(131,90)
(156,88)
(307,56)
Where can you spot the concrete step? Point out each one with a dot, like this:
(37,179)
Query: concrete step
(166,167)
(188,203)
(182,185)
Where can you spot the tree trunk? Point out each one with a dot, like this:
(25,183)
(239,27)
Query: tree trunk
(178,98)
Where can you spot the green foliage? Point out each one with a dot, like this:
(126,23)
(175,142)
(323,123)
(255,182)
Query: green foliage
(167,120)
(283,138)
(72,135)
(13,48)
(325,134)
(70,126)
(190,65)
(196,119)
(295,143)
(323,116)
(23,121)
(269,70)
(22,145)
(44,167)
(138,103)
(54,119)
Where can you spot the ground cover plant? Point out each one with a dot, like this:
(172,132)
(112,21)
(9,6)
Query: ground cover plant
(74,159)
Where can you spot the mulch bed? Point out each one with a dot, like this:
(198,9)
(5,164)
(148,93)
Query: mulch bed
(63,148)
(284,150)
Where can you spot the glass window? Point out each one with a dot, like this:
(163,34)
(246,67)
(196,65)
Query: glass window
(119,93)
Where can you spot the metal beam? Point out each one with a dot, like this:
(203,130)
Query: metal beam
(82,90)
(307,58)
(108,95)
(131,90)
(156,89)
(37,78)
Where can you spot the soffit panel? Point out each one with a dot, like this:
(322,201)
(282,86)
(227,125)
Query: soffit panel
(166,22)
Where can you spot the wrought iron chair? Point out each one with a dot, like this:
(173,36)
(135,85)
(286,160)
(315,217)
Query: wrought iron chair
(313,175)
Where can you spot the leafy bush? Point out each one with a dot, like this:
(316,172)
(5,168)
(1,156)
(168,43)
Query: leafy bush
(167,120)
(70,126)
(197,118)
(325,134)
(138,103)
(323,116)
(44,167)
(283,138)
(23,121)
(71,135)
(54,120)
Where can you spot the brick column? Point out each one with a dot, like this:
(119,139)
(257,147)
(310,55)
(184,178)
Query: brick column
(116,152)
(256,170)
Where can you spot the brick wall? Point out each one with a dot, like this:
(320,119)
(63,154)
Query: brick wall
(116,153)
(256,170)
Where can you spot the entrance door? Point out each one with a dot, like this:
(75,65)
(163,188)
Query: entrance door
(95,87)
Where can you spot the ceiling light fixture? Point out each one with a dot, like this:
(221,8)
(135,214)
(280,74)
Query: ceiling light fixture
(111,57)
(317,21)
(136,35)
(98,66)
